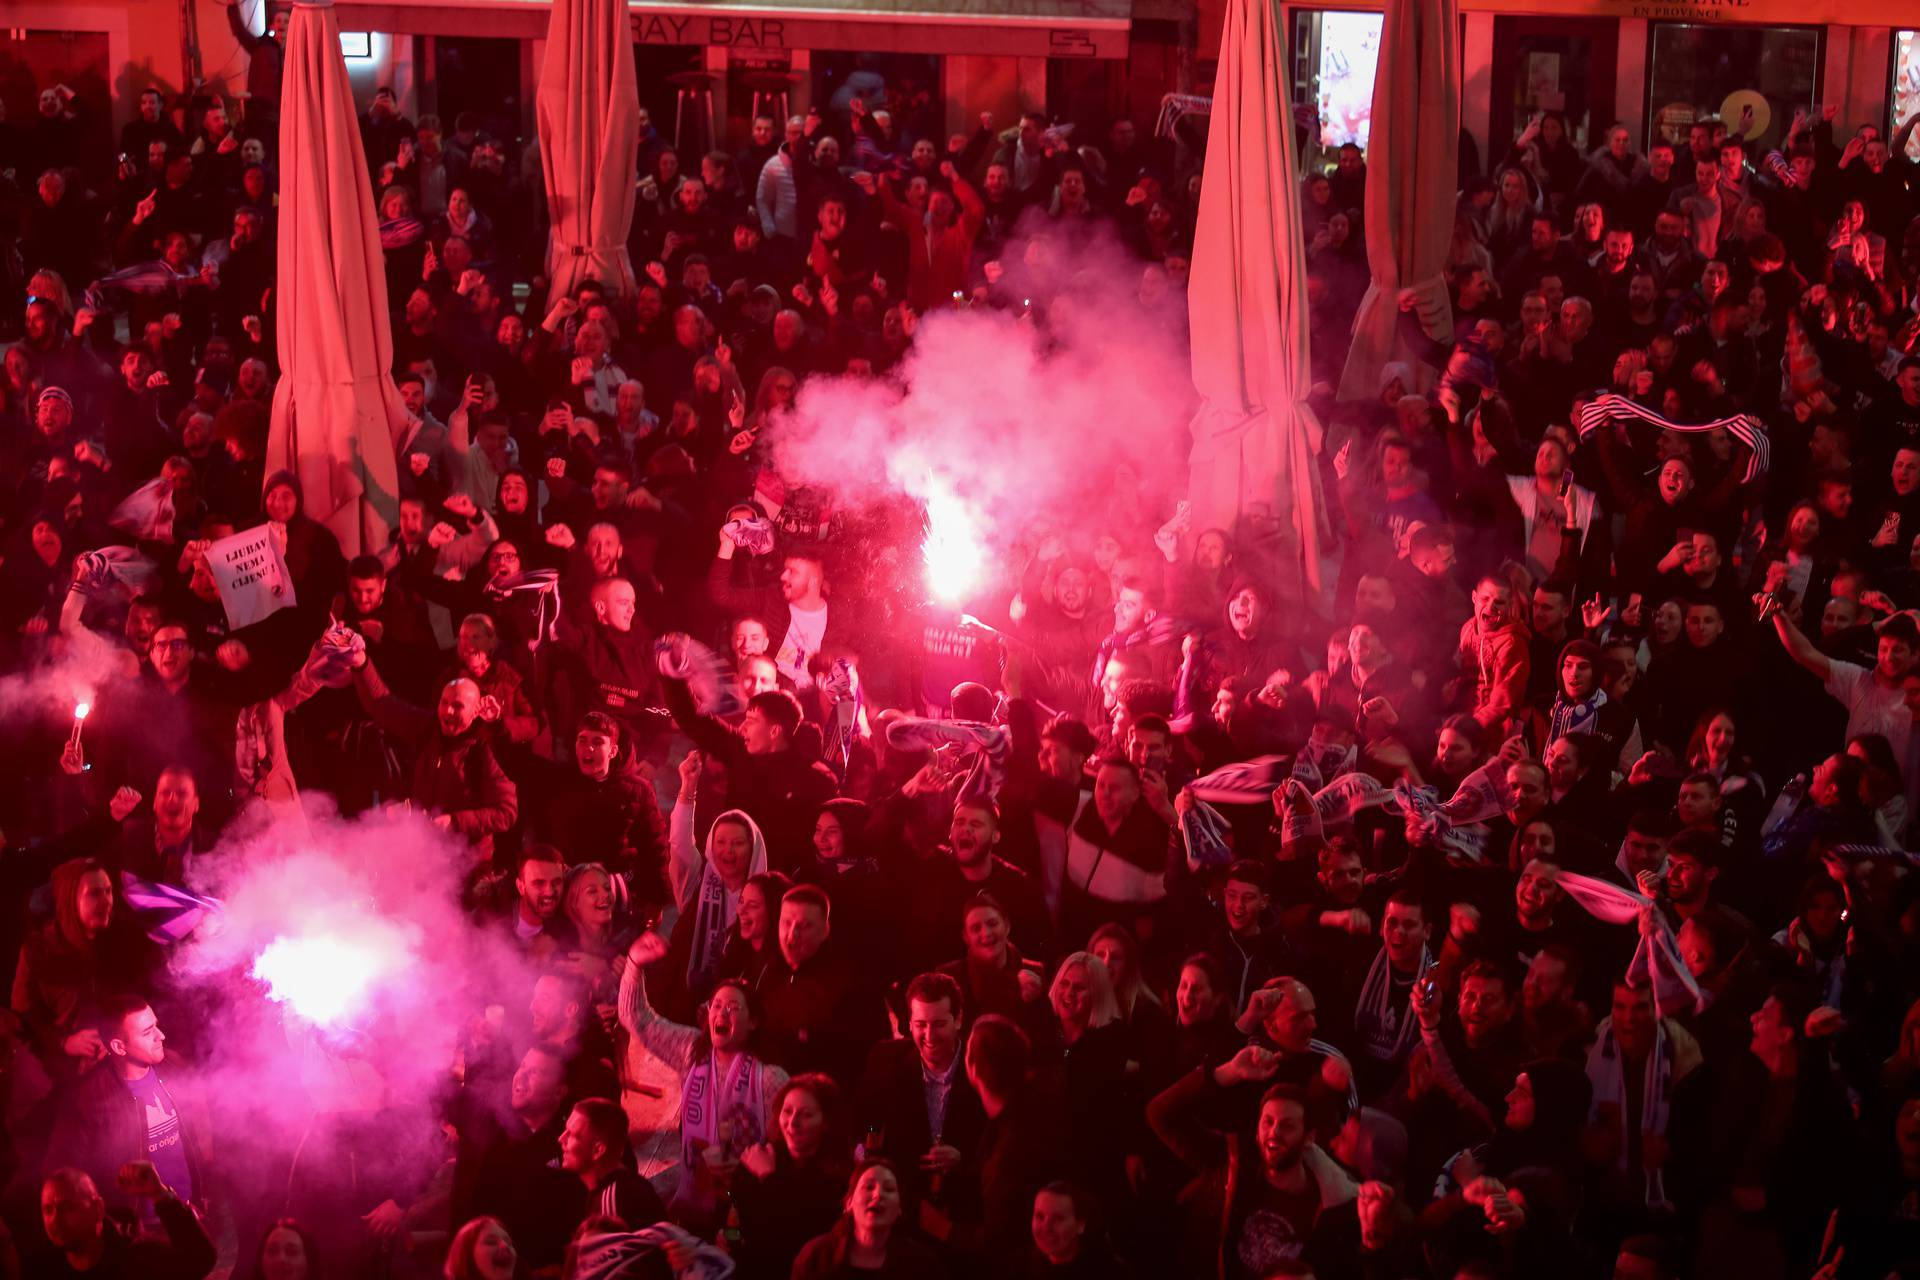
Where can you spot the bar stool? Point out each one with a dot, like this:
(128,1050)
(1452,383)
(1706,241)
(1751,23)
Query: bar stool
(774,89)
(694,87)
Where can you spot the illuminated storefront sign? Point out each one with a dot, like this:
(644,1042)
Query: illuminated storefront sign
(1014,28)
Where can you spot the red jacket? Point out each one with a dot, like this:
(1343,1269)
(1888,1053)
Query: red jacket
(937,262)
(1498,663)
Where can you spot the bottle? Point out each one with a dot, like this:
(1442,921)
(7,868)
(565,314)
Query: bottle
(935,1181)
(875,1144)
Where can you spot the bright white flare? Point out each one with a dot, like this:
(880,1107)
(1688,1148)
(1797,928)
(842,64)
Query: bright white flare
(81,710)
(955,548)
(325,978)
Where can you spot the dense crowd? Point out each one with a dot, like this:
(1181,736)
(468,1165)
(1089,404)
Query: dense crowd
(1530,901)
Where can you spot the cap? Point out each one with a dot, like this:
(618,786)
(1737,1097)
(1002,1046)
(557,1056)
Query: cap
(54,393)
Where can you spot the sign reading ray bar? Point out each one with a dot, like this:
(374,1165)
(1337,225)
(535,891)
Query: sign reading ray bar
(1068,30)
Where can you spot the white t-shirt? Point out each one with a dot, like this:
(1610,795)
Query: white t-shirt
(806,633)
(1871,706)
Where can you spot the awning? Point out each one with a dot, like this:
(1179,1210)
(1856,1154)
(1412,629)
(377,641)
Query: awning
(1008,28)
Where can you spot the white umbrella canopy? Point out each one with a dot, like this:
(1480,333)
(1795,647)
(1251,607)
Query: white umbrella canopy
(1412,174)
(336,410)
(588,108)
(1254,437)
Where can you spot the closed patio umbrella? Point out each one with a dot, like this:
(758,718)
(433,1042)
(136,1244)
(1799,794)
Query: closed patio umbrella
(1412,174)
(1254,437)
(589,115)
(336,410)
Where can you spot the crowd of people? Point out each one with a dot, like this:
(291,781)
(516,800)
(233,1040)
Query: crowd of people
(1530,900)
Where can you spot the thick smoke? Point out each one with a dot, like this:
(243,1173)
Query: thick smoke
(80,665)
(338,989)
(1012,418)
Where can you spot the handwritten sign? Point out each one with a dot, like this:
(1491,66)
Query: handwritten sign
(251,576)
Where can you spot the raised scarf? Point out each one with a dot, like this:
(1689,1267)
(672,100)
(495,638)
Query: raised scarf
(1744,427)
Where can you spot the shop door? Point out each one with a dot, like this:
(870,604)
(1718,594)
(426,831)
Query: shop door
(1551,64)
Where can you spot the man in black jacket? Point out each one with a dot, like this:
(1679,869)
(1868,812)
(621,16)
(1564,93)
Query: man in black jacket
(508,1164)
(121,1109)
(777,785)
(819,1015)
(915,1098)
(266,64)
(593,1148)
(86,1243)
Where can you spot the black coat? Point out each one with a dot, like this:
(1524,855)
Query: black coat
(893,1101)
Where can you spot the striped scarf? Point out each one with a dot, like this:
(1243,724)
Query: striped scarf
(147,513)
(1656,960)
(715,909)
(1878,852)
(1242,782)
(709,680)
(398,233)
(1574,717)
(101,569)
(730,1114)
(1386,1033)
(331,660)
(1606,1070)
(630,1255)
(1427,818)
(751,534)
(988,744)
(141,280)
(545,586)
(847,721)
(1744,427)
(1207,835)
(172,913)
(1163,629)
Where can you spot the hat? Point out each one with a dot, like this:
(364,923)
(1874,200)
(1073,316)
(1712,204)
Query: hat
(54,393)
(767,289)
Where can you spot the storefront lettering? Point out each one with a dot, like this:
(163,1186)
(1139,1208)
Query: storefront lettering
(660,29)
(1685,10)
(1070,44)
(739,33)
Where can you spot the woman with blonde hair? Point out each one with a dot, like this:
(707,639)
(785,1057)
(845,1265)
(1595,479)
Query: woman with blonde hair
(1104,1112)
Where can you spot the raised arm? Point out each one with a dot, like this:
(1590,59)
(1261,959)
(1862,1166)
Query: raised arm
(1796,643)
(672,1043)
(388,710)
(685,866)
(1174,1116)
